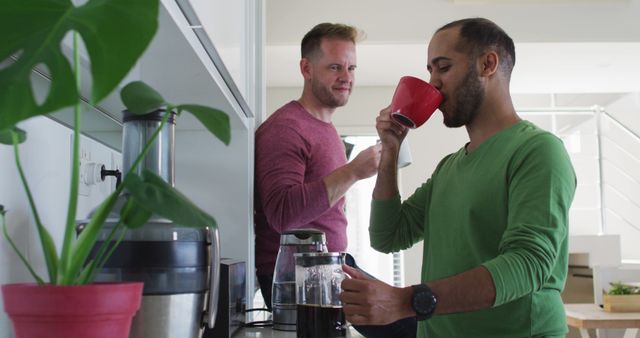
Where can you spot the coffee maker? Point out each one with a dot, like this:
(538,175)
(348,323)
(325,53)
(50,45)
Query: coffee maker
(319,279)
(180,266)
(283,292)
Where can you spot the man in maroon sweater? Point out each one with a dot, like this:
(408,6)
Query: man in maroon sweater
(301,170)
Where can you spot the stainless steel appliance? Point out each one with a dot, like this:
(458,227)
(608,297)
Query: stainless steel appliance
(283,292)
(179,266)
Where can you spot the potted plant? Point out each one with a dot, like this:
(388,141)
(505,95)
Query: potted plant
(115,33)
(622,298)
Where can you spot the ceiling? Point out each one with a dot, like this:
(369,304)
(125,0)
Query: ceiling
(562,47)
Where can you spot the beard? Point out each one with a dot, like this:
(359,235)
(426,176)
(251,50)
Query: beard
(326,96)
(467,101)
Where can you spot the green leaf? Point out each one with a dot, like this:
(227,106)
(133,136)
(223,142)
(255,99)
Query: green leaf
(216,121)
(140,98)
(619,288)
(162,199)
(115,33)
(87,239)
(134,215)
(6,136)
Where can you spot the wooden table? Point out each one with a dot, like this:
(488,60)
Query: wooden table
(267,332)
(588,317)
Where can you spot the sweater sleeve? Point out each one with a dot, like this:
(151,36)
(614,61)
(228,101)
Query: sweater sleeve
(541,187)
(395,226)
(288,202)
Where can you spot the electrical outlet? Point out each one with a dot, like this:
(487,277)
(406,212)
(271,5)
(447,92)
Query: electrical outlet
(85,157)
(94,186)
(116,164)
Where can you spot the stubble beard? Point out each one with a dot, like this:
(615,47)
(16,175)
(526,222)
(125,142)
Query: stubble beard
(467,101)
(326,96)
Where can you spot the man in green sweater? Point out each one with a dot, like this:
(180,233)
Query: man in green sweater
(493,216)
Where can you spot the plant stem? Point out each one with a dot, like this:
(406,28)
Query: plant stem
(99,259)
(75,169)
(15,248)
(87,239)
(47,243)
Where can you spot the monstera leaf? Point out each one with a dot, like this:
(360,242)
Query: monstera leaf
(216,121)
(151,192)
(140,98)
(115,33)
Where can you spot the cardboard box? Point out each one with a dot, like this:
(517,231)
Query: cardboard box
(621,303)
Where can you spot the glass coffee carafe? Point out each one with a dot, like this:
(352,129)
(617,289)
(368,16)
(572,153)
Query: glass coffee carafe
(284,279)
(318,285)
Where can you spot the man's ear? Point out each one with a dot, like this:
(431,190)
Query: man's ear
(489,63)
(305,68)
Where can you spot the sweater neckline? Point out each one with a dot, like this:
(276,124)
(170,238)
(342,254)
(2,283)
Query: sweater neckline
(491,140)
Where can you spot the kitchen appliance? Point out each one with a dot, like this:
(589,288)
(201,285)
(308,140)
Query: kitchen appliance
(232,301)
(284,278)
(319,278)
(178,265)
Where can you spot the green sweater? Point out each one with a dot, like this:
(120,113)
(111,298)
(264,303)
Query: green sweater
(504,206)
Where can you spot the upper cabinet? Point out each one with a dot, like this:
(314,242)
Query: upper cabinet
(205,52)
(209,53)
(184,63)
(231,26)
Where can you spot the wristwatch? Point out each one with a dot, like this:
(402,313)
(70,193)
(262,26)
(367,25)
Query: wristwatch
(423,301)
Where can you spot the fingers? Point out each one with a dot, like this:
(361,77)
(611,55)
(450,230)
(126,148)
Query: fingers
(358,300)
(356,315)
(353,273)
(356,319)
(365,314)
(373,151)
(385,123)
(366,163)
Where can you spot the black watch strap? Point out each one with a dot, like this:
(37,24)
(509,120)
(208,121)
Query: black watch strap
(423,301)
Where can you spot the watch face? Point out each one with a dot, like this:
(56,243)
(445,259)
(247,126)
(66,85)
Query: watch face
(424,302)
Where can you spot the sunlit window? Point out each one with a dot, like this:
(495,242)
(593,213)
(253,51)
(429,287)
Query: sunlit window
(386,267)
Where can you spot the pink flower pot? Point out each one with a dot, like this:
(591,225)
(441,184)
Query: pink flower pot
(101,310)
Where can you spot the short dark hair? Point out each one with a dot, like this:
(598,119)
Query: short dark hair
(311,42)
(477,35)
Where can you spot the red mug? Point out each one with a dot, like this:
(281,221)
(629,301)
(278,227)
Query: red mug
(414,101)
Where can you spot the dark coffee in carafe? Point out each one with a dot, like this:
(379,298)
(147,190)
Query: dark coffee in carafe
(318,306)
(314,321)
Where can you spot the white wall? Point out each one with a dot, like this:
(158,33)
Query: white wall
(621,168)
(46,159)
(214,177)
(627,111)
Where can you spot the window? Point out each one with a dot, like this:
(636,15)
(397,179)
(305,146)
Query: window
(386,267)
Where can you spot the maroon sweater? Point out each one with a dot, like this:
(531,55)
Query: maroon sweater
(294,152)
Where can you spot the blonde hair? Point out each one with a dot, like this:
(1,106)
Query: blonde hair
(310,45)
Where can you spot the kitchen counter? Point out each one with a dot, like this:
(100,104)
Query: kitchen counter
(267,332)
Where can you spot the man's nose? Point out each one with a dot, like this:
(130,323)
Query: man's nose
(435,81)
(346,75)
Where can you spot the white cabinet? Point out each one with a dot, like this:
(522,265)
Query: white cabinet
(185,67)
(183,64)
